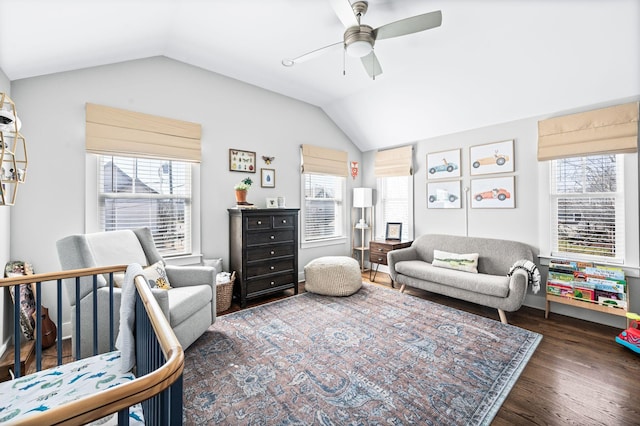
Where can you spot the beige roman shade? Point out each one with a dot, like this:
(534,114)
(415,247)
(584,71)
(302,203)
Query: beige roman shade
(394,162)
(324,161)
(114,131)
(612,130)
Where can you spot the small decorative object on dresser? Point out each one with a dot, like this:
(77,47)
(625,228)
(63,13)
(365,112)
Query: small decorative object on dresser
(263,250)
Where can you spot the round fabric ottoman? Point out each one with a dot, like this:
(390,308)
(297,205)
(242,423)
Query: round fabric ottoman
(333,276)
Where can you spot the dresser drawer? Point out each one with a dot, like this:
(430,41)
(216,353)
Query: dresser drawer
(378,253)
(269,252)
(284,221)
(258,285)
(258,222)
(257,238)
(265,267)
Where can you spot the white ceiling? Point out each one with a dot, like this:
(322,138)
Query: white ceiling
(491,61)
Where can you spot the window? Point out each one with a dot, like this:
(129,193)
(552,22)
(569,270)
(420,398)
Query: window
(395,204)
(142,192)
(587,207)
(323,207)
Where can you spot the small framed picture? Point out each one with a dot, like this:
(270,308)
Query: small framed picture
(268,178)
(272,203)
(394,231)
(242,161)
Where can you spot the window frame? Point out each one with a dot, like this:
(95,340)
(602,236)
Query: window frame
(92,208)
(380,221)
(620,212)
(341,229)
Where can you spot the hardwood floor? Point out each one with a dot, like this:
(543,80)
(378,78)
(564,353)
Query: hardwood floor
(578,375)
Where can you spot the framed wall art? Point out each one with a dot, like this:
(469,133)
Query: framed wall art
(493,193)
(444,195)
(443,164)
(496,157)
(242,161)
(267,178)
(394,231)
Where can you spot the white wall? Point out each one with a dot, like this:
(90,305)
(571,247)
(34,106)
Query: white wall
(233,115)
(5,254)
(528,221)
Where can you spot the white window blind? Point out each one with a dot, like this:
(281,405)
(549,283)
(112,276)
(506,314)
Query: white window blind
(143,192)
(323,207)
(395,204)
(587,202)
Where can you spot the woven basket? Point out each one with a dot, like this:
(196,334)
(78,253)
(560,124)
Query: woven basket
(224,291)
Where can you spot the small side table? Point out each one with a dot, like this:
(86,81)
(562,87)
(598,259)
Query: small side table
(378,250)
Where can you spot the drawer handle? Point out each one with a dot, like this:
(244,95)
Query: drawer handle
(273,283)
(284,220)
(273,252)
(259,222)
(273,237)
(272,267)
(380,249)
(380,259)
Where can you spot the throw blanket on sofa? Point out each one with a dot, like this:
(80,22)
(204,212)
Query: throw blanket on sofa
(532,271)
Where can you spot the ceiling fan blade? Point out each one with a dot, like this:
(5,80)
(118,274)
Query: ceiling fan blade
(372,65)
(409,25)
(345,12)
(310,55)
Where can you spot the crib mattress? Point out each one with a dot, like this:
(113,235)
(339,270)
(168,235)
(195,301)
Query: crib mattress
(53,387)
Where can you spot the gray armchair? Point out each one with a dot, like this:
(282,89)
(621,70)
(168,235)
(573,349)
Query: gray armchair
(190,305)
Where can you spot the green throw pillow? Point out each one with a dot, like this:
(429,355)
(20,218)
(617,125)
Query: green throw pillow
(461,262)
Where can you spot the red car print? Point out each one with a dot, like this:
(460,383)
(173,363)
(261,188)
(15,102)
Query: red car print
(499,193)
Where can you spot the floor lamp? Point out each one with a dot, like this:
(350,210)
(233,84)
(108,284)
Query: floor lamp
(362,199)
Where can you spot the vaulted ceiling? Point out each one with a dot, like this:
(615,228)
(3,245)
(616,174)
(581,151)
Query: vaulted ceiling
(491,61)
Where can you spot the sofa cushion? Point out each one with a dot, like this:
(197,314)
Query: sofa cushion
(184,301)
(461,262)
(492,285)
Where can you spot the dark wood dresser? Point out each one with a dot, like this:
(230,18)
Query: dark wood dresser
(263,250)
(378,250)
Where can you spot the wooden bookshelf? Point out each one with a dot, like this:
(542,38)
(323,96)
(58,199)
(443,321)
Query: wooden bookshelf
(582,304)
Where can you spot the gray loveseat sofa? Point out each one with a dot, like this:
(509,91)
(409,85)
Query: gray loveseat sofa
(491,286)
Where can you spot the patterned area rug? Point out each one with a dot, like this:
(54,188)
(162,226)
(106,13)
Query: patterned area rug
(376,357)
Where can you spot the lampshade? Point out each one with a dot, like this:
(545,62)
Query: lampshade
(362,197)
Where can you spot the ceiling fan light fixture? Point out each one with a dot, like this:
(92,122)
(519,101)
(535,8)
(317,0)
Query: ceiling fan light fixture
(359,48)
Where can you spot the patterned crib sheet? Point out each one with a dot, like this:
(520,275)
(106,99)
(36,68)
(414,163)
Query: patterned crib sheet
(65,383)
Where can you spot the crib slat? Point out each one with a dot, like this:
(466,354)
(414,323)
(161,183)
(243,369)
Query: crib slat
(38,327)
(78,320)
(59,320)
(95,315)
(16,332)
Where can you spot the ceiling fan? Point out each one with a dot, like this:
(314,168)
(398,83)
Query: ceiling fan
(359,39)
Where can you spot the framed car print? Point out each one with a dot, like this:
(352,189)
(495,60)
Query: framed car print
(443,164)
(493,193)
(496,157)
(443,195)
(242,161)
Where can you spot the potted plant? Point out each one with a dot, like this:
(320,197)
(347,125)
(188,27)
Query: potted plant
(241,190)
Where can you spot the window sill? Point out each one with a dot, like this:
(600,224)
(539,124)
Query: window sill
(322,243)
(184,260)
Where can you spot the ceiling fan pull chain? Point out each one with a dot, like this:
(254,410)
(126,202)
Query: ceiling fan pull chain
(344,62)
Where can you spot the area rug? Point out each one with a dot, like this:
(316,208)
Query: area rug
(376,357)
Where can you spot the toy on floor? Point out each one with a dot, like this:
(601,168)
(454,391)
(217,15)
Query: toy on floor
(631,336)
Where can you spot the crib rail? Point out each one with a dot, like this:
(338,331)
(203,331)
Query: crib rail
(159,380)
